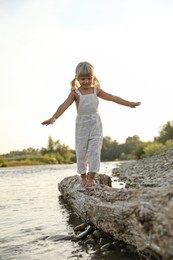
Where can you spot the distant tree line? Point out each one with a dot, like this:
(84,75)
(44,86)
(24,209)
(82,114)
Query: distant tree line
(57,153)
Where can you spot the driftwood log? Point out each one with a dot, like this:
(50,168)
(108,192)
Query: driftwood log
(141,217)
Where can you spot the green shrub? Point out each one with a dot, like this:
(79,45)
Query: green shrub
(152,148)
(169,143)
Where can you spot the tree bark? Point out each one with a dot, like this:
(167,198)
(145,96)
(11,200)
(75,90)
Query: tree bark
(139,217)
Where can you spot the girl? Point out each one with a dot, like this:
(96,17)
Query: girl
(88,133)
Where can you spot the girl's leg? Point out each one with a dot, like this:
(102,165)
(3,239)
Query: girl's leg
(84,179)
(81,154)
(91,179)
(82,166)
(94,151)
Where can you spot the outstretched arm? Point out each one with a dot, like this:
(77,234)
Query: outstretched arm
(61,109)
(106,96)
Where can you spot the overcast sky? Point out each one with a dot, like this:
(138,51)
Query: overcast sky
(41,41)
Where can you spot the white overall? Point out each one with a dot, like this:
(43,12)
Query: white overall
(88,133)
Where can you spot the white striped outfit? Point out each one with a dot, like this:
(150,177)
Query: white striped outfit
(88,133)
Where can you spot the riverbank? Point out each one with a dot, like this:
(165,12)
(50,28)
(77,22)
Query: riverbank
(154,171)
(140,214)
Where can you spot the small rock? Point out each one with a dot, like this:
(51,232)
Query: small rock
(97,233)
(90,242)
(104,240)
(80,227)
(83,234)
(106,247)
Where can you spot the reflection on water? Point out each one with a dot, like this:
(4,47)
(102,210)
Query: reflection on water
(73,219)
(32,212)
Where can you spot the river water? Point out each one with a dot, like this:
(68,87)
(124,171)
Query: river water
(32,214)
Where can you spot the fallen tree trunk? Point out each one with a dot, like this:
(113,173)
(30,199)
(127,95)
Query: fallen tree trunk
(139,217)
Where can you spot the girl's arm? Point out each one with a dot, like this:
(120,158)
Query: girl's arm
(61,109)
(109,97)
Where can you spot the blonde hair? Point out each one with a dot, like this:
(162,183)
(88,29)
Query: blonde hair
(84,69)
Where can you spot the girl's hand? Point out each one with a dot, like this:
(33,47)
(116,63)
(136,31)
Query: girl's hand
(134,104)
(49,121)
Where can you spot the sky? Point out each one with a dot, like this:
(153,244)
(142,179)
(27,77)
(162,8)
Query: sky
(129,43)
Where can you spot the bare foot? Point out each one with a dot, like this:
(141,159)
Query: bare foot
(90,183)
(84,179)
(91,179)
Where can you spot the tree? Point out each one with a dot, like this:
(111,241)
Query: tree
(153,147)
(50,145)
(109,149)
(63,152)
(134,147)
(166,133)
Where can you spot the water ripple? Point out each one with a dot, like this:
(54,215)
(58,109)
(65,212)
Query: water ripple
(35,222)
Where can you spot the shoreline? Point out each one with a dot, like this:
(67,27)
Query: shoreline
(154,171)
(139,214)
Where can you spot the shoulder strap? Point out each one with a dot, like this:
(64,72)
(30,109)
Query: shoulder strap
(95,90)
(78,92)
